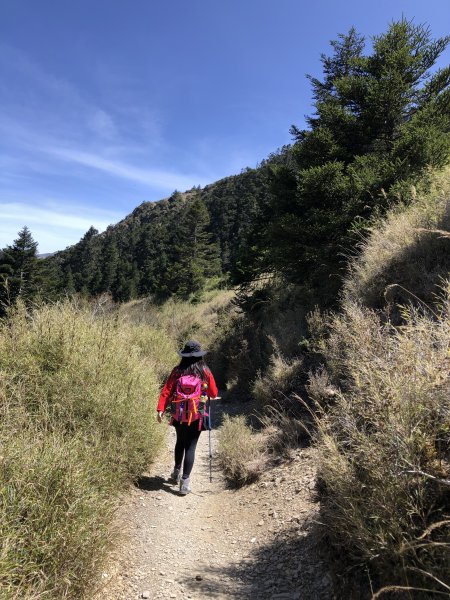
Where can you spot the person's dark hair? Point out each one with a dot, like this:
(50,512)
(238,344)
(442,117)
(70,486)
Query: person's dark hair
(192,365)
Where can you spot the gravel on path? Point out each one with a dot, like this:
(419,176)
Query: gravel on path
(260,541)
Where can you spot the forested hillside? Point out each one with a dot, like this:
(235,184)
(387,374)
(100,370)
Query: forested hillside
(381,121)
(170,247)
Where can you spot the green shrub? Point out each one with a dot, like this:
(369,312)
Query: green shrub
(77,395)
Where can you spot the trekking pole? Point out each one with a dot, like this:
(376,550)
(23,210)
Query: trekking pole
(209,435)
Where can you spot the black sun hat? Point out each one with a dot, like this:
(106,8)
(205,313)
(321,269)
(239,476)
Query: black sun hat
(192,348)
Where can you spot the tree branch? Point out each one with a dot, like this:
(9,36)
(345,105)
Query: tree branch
(429,476)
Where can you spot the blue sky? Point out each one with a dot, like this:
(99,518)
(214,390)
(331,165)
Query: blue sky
(106,103)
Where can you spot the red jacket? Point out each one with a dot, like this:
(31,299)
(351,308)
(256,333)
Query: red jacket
(169,388)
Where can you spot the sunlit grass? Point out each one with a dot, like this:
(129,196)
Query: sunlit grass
(77,402)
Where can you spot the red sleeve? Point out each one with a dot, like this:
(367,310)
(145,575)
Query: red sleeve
(212,387)
(167,392)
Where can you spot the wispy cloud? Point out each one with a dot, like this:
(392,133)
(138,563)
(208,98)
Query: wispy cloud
(103,124)
(54,108)
(57,215)
(54,224)
(107,147)
(154,178)
(120,143)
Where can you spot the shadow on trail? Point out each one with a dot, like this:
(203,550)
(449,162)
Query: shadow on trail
(155,484)
(290,567)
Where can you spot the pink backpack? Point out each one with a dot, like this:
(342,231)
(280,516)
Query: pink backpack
(189,401)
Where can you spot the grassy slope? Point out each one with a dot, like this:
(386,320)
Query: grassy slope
(385,442)
(407,255)
(77,423)
(384,427)
(78,388)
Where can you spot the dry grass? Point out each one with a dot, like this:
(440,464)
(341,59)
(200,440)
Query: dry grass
(282,416)
(278,381)
(405,257)
(320,388)
(385,444)
(282,431)
(77,395)
(240,451)
(267,325)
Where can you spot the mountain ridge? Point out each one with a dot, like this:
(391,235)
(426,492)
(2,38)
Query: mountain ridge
(138,249)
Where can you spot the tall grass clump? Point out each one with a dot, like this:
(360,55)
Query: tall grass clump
(240,451)
(385,444)
(77,395)
(280,379)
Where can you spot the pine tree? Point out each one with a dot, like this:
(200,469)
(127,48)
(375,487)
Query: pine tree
(152,255)
(69,285)
(126,283)
(109,262)
(49,279)
(85,263)
(18,269)
(193,254)
(380,121)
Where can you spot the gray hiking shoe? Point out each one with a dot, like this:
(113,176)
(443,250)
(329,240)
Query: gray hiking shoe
(185,488)
(175,476)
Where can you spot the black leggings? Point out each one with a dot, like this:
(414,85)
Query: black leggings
(187,438)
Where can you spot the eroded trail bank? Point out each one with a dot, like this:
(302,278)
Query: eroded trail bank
(257,542)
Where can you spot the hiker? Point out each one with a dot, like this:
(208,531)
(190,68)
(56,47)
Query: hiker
(190,385)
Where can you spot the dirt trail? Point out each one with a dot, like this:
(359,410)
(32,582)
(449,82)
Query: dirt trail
(257,542)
